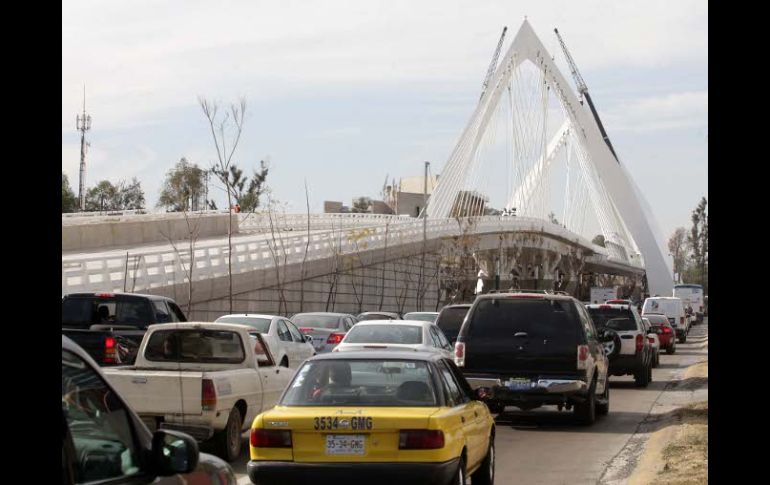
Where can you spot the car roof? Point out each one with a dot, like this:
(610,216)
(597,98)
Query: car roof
(251,315)
(614,306)
(378,313)
(118,293)
(523,295)
(196,325)
(379,354)
(393,322)
(420,313)
(324,313)
(459,305)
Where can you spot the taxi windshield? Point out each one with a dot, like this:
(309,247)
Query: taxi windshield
(361,382)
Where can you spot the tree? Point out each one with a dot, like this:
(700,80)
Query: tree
(108,197)
(361,204)
(184,188)
(232,121)
(246,191)
(697,240)
(677,246)
(599,240)
(68,200)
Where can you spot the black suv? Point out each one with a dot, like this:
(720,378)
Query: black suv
(531,350)
(450,319)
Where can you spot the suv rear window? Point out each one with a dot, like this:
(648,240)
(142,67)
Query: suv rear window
(84,311)
(613,318)
(555,320)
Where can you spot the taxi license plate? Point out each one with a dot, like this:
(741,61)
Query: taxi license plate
(518,384)
(345,444)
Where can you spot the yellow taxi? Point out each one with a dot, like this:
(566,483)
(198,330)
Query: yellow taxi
(375,416)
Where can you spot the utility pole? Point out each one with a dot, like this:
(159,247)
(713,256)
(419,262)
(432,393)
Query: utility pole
(83,124)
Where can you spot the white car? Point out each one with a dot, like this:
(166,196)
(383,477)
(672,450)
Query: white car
(424,316)
(289,346)
(673,308)
(652,337)
(396,335)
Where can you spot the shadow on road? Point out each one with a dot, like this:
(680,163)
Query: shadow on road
(564,421)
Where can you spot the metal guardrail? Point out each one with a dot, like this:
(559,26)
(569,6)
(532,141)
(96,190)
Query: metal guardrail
(158,268)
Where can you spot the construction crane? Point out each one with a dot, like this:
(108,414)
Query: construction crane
(583,91)
(493,64)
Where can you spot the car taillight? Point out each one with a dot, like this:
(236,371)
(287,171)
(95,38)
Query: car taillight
(110,351)
(305,329)
(651,340)
(460,354)
(104,295)
(208,396)
(420,439)
(639,343)
(270,438)
(666,330)
(335,338)
(582,356)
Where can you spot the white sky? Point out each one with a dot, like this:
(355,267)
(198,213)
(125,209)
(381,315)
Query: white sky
(343,93)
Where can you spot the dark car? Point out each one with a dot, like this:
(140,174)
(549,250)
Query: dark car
(326,329)
(110,326)
(450,318)
(104,440)
(532,350)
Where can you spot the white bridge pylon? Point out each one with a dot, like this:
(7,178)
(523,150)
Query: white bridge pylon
(595,178)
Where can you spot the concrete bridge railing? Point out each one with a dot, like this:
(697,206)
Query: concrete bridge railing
(150,269)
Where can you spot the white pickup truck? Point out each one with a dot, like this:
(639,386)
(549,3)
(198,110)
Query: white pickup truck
(207,379)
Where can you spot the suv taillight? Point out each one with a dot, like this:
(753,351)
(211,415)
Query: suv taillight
(270,438)
(460,354)
(639,343)
(110,351)
(582,356)
(208,396)
(420,439)
(666,329)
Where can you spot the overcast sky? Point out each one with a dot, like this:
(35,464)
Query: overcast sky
(343,93)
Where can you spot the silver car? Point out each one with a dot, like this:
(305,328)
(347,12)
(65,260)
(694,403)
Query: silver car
(326,329)
(402,335)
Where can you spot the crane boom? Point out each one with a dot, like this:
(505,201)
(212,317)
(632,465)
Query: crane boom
(493,64)
(583,91)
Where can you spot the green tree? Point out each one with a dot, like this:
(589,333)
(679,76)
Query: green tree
(108,197)
(68,199)
(246,191)
(599,240)
(697,240)
(184,188)
(361,204)
(677,246)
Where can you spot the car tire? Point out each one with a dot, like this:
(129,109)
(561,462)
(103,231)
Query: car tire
(485,475)
(649,373)
(459,478)
(603,406)
(496,408)
(227,443)
(671,348)
(585,412)
(683,338)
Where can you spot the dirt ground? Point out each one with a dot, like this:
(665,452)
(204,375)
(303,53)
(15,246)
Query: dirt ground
(677,453)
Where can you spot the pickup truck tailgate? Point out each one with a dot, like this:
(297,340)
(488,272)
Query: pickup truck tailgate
(158,392)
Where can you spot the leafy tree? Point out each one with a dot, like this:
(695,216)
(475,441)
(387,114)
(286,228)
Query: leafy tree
(599,240)
(106,197)
(677,246)
(68,199)
(184,188)
(246,191)
(361,204)
(697,240)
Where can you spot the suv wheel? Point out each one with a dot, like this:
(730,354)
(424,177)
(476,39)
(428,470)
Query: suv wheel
(642,376)
(671,348)
(603,403)
(585,412)
(683,338)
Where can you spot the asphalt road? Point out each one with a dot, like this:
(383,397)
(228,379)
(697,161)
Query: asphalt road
(545,446)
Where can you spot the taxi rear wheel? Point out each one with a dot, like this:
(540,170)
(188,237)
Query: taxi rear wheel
(485,475)
(228,441)
(459,478)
